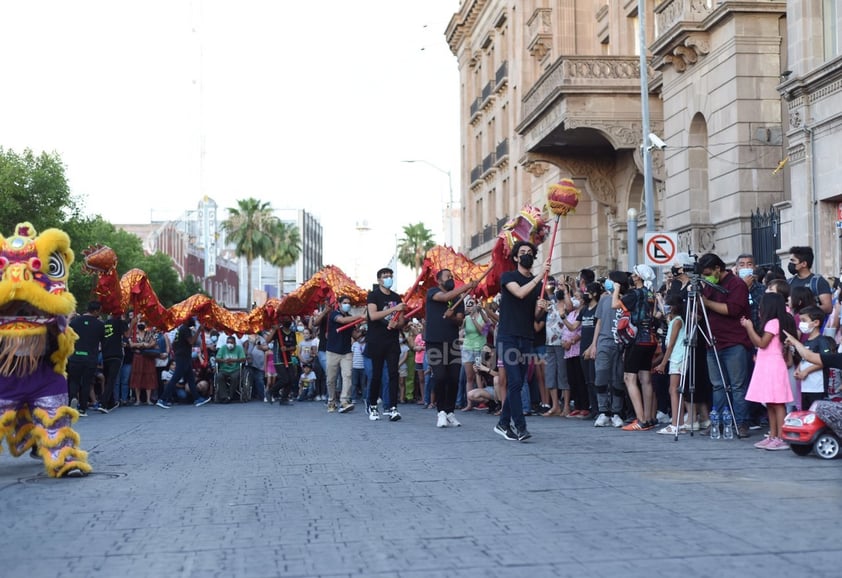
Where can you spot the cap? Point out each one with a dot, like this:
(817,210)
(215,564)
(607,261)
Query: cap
(645,272)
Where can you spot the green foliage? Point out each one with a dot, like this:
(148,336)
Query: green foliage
(286,248)
(163,278)
(412,248)
(33,188)
(249,227)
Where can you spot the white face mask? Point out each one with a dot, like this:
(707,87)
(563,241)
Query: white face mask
(229,345)
(805,327)
(576,303)
(299,328)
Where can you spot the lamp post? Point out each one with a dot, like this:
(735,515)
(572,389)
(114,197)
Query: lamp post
(450,198)
(631,226)
(648,185)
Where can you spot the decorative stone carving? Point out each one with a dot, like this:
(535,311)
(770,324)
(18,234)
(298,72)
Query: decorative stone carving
(688,53)
(698,240)
(672,12)
(540,31)
(621,135)
(534,168)
(598,174)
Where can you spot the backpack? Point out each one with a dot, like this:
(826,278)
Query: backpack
(628,322)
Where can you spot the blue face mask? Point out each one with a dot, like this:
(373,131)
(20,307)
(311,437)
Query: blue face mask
(387,282)
(745,273)
(667,309)
(609,285)
(346,307)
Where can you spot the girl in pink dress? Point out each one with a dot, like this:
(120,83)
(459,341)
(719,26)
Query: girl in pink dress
(770,379)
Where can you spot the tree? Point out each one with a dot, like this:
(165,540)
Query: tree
(412,248)
(249,228)
(286,249)
(35,189)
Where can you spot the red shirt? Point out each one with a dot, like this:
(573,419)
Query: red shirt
(726,329)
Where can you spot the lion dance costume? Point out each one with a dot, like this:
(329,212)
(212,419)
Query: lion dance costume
(35,342)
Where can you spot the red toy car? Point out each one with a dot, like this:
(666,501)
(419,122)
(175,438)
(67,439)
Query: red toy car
(806,431)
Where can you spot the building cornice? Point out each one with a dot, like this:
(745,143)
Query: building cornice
(462,23)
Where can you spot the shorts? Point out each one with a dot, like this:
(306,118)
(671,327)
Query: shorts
(470,355)
(677,368)
(638,358)
(490,391)
(402,371)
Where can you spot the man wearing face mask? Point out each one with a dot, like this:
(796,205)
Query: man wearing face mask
(744,269)
(182,348)
(520,305)
(339,355)
(284,344)
(385,320)
(725,309)
(800,267)
(228,361)
(441,332)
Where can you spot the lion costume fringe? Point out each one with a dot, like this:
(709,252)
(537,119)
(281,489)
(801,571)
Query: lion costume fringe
(35,343)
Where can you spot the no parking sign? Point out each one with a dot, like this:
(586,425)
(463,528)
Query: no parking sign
(660,248)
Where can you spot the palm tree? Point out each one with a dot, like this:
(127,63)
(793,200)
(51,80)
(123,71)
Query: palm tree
(417,240)
(250,227)
(286,249)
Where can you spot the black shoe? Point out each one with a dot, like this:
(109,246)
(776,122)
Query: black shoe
(82,413)
(523,435)
(33,453)
(508,433)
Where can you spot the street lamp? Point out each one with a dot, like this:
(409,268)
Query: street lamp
(450,198)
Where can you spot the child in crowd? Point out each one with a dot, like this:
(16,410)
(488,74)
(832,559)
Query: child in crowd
(813,378)
(770,379)
(403,369)
(306,383)
(269,371)
(674,357)
(358,365)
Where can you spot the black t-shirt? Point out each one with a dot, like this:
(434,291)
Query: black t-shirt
(285,338)
(337,341)
(517,316)
(378,331)
(438,329)
(181,347)
(586,318)
(91,332)
(115,329)
(324,336)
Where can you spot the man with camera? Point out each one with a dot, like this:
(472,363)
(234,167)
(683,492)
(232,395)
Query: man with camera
(725,297)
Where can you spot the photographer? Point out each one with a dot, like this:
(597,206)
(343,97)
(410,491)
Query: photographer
(725,297)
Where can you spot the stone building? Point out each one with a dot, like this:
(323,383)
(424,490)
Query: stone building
(551,89)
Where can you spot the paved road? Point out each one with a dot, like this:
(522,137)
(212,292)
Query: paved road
(259,490)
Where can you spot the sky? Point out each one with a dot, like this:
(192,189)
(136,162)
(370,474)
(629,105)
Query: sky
(152,105)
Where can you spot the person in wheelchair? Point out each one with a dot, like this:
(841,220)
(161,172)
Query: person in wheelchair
(229,360)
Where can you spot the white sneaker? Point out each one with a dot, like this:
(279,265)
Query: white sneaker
(662,417)
(441,419)
(373,414)
(451,420)
(616,421)
(602,421)
(394,414)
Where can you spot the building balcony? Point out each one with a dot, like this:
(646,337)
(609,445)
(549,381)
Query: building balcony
(488,163)
(487,91)
(502,152)
(476,174)
(500,223)
(586,76)
(681,14)
(501,77)
(476,108)
(487,233)
(475,241)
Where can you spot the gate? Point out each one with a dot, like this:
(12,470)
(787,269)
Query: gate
(765,236)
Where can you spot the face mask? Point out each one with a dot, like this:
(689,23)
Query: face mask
(299,328)
(711,279)
(805,327)
(526,261)
(559,295)
(586,298)
(346,307)
(676,271)
(141,326)
(743,273)
(667,309)
(791,268)
(387,282)
(449,285)
(195,354)
(287,324)
(576,303)
(229,345)
(609,285)
(214,338)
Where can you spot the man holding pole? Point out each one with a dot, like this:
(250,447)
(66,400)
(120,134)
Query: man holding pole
(384,309)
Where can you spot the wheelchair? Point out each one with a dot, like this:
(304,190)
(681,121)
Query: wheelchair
(243,393)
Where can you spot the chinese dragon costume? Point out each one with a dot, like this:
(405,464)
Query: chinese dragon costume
(35,343)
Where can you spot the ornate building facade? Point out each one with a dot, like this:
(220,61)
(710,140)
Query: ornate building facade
(551,89)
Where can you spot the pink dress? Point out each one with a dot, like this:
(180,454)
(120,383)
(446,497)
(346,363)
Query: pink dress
(770,380)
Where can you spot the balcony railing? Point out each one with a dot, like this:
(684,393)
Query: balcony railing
(487,233)
(500,223)
(476,173)
(475,241)
(475,107)
(671,12)
(488,163)
(502,149)
(502,74)
(486,91)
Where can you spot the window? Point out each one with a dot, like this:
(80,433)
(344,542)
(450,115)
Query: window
(830,29)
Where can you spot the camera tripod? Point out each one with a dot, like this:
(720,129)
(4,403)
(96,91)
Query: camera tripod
(693,329)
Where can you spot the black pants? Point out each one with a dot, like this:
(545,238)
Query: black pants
(111,371)
(445,364)
(380,354)
(80,377)
(287,378)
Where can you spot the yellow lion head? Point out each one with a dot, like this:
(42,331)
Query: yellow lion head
(34,298)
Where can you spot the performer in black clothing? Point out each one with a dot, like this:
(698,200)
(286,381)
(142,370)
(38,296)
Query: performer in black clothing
(81,367)
(112,359)
(384,308)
